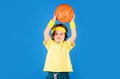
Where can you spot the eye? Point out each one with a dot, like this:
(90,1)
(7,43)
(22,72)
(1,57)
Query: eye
(61,33)
(56,33)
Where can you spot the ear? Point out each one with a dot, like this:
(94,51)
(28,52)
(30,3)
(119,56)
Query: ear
(66,36)
(52,37)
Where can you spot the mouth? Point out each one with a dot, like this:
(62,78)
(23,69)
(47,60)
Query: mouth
(58,38)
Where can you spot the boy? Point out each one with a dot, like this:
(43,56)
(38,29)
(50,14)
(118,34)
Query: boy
(58,64)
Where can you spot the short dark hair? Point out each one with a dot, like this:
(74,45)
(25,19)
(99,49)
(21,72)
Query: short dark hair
(59,25)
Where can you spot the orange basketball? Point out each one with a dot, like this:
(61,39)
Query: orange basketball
(64,13)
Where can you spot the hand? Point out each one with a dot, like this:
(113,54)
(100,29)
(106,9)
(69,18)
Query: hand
(73,18)
(54,18)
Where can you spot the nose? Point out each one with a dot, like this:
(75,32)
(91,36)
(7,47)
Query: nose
(59,35)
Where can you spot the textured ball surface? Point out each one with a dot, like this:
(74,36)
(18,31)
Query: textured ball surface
(64,13)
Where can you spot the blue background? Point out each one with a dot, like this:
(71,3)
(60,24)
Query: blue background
(97,51)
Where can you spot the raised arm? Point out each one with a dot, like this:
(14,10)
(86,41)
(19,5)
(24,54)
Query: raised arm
(73,31)
(48,28)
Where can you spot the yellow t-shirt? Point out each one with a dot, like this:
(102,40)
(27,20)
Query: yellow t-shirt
(58,59)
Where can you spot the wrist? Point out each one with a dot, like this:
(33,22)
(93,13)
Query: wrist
(51,23)
(72,25)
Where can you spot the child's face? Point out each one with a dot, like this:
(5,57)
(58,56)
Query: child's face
(59,36)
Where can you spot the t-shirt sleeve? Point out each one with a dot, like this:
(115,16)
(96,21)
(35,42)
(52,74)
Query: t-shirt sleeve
(47,44)
(70,46)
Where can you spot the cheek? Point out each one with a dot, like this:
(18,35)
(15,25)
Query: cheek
(55,37)
(63,36)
